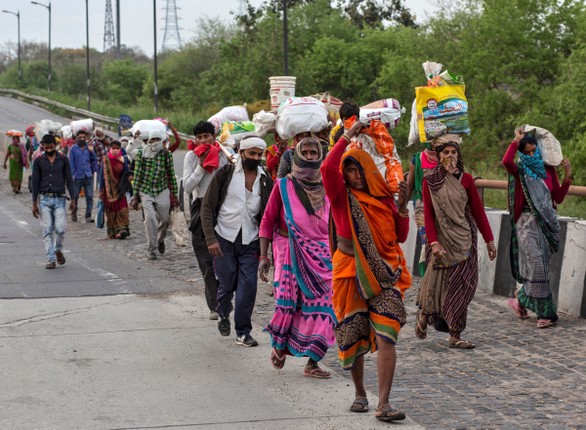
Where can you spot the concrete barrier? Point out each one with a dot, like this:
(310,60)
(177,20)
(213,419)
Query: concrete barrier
(567,270)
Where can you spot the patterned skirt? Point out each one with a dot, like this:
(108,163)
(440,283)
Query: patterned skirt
(300,326)
(360,321)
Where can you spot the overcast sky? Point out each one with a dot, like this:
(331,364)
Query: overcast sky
(68,20)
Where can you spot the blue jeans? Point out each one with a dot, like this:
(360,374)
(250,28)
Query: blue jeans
(88,188)
(237,272)
(53,222)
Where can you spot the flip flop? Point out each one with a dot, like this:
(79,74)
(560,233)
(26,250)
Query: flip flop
(461,344)
(316,372)
(520,312)
(278,362)
(542,323)
(360,404)
(388,413)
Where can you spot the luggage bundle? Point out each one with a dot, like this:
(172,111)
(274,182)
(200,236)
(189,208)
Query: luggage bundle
(551,149)
(440,107)
(300,115)
(46,126)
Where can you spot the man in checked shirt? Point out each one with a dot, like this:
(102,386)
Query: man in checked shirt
(156,187)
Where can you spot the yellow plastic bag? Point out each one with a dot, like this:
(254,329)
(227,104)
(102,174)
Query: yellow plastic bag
(441,110)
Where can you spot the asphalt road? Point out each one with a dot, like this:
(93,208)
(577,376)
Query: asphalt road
(18,115)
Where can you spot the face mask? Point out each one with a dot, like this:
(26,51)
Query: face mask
(250,163)
(50,153)
(156,146)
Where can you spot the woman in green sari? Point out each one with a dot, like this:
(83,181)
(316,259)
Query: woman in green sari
(534,191)
(16,154)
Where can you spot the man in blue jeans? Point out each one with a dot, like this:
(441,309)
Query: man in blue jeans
(51,176)
(83,165)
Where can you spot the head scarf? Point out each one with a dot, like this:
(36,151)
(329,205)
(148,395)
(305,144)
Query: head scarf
(436,178)
(252,142)
(376,185)
(533,165)
(153,148)
(306,177)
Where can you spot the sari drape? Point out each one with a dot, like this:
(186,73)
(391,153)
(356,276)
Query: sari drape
(303,321)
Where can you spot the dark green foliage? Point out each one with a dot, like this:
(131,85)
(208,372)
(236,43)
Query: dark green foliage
(524,61)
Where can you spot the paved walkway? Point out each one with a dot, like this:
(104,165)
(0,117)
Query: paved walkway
(518,377)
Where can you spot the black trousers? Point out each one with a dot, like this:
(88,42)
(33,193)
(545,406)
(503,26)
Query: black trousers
(206,265)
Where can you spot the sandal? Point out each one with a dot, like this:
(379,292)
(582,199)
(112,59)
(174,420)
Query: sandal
(50,265)
(420,325)
(277,361)
(516,307)
(316,372)
(461,344)
(542,323)
(388,413)
(360,404)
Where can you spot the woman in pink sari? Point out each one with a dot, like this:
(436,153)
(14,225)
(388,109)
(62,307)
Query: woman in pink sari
(296,221)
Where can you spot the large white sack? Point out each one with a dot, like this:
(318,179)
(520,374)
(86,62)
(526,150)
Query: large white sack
(145,126)
(66,132)
(264,123)
(388,111)
(46,126)
(230,113)
(551,149)
(300,115)
(413,128)
(82,124)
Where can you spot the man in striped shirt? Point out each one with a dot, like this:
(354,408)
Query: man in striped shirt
(156,187)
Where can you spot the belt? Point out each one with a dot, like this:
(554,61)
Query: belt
(60,195)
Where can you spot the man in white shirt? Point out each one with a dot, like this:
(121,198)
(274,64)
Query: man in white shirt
(231,212)
(199,167)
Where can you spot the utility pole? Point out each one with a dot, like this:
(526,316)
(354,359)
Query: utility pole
(109,36)
(87,55)
(171,37)
(17,15)
(48,7)
(118,27)
(155,56)
(285,38)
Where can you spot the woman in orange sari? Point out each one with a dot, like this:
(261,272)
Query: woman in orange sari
(370,273)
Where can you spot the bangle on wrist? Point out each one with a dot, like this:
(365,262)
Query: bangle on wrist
(404,214)
(345,136)
(433,243)
(264,257)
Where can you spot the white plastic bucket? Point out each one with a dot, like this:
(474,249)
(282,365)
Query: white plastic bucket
(282,87)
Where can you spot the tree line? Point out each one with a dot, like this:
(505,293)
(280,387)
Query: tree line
(523,61)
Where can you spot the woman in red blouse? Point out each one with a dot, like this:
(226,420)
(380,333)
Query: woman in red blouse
(534,191)
(453,215)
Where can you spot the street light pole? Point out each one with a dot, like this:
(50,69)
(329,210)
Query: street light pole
(87,55)
(285,38)
(17,14)
(155,56)
(48,7)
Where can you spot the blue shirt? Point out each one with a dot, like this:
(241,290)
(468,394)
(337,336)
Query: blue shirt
(82,161)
